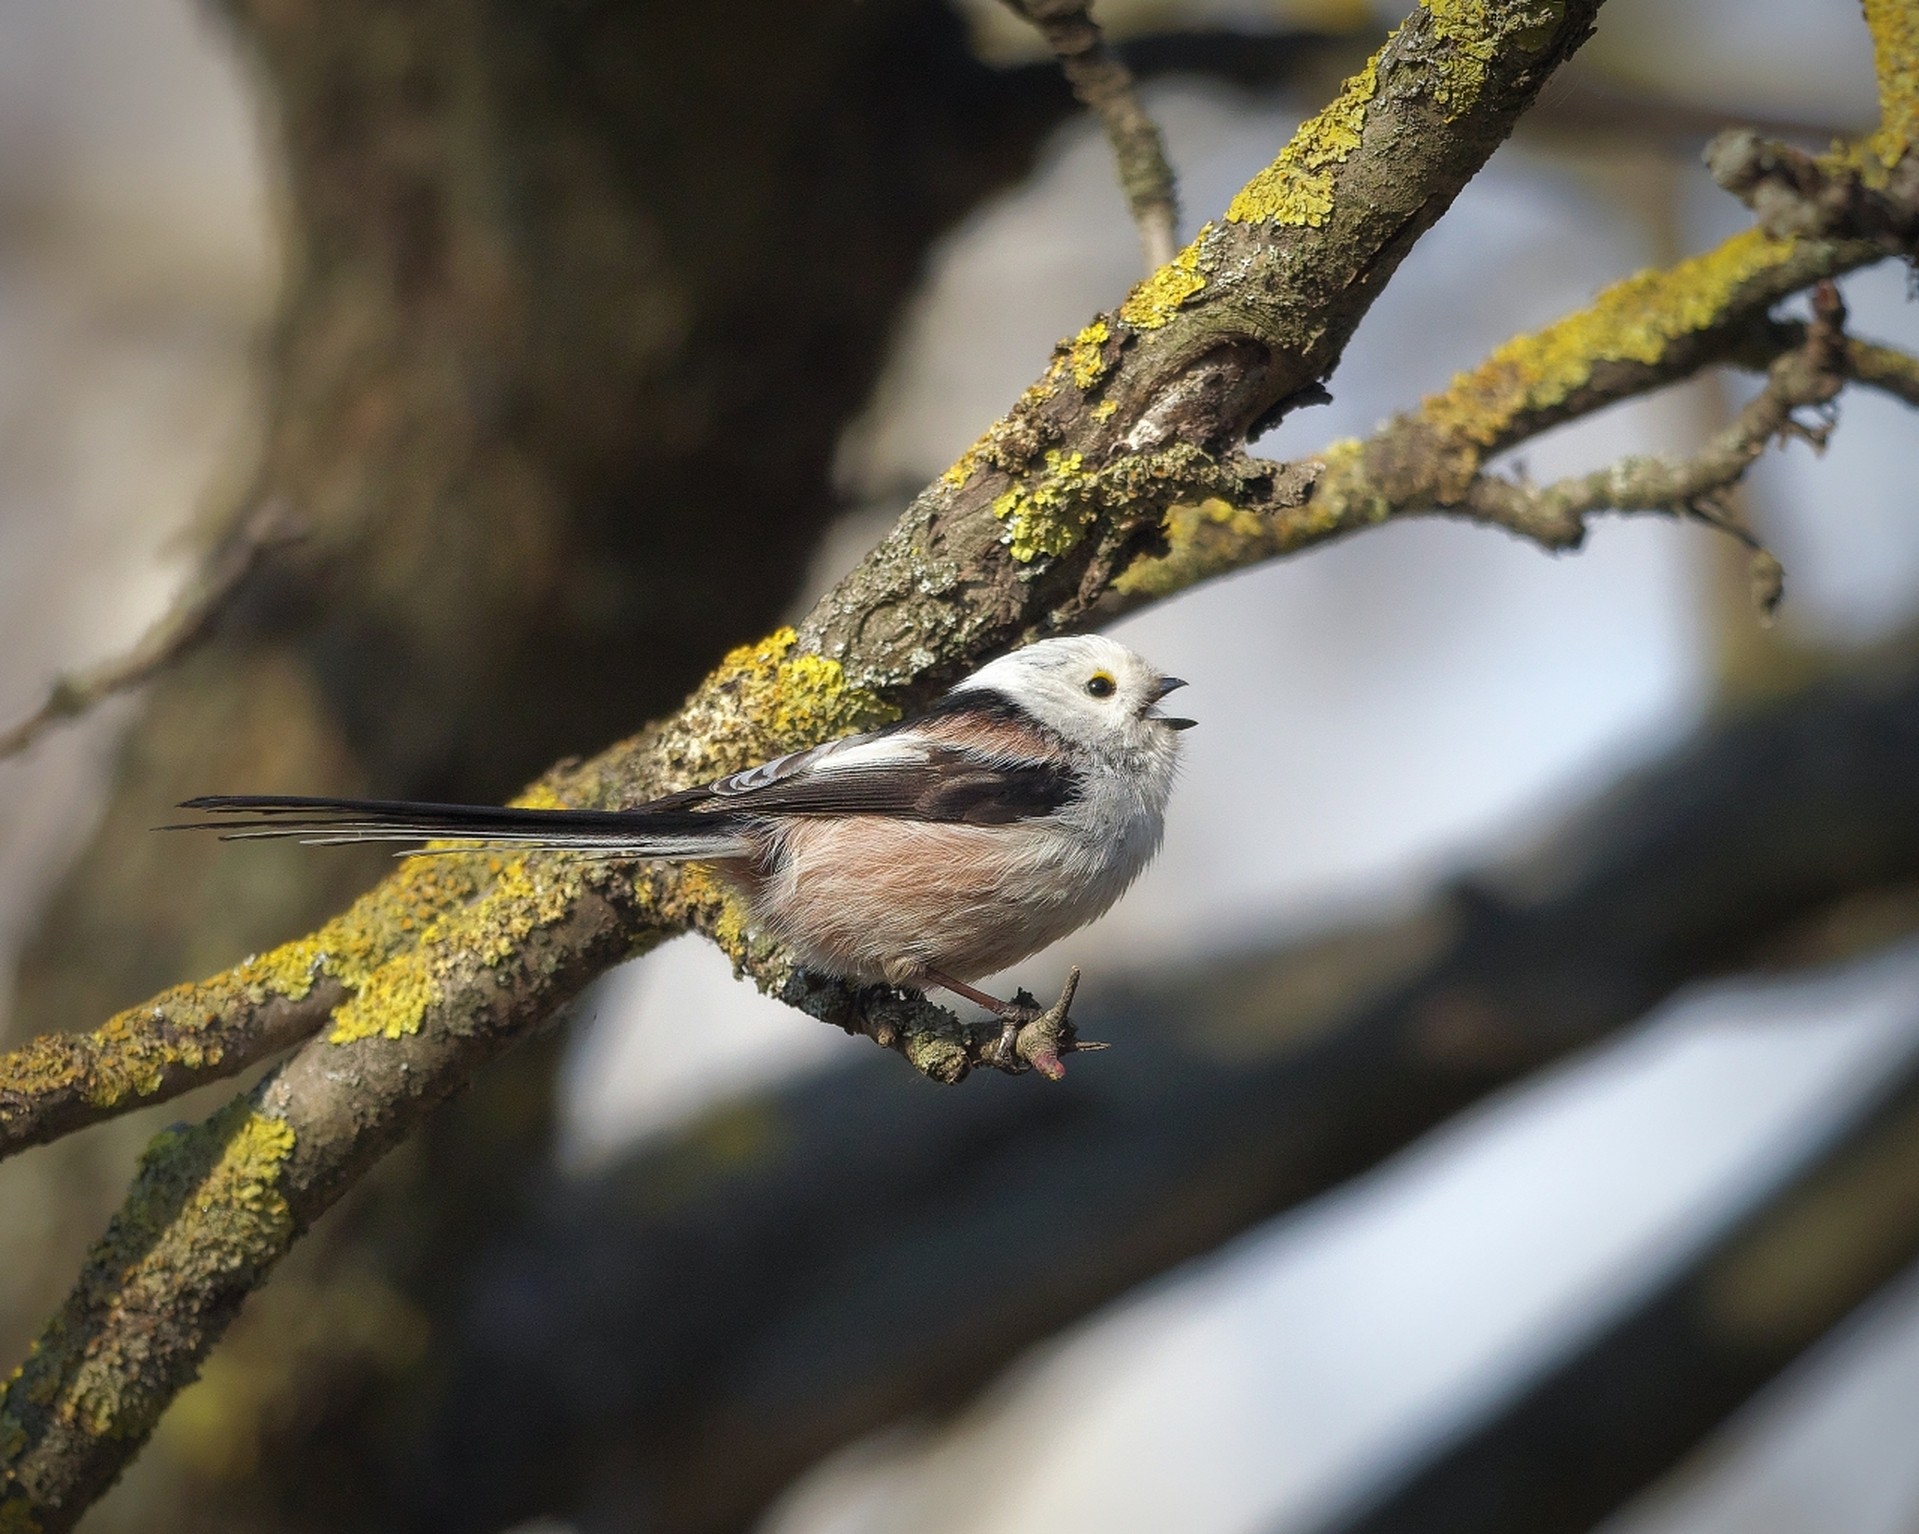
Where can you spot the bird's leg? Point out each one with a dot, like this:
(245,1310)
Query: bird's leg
(1052,1032)
(1013,1015)
(978,998)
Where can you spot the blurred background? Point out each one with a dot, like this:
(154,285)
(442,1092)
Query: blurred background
(1514,1115)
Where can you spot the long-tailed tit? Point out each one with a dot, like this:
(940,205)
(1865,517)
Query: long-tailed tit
(931,853)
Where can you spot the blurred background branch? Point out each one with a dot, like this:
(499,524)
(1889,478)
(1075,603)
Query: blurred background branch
(183,625)
(1599,1426)
(1102,81)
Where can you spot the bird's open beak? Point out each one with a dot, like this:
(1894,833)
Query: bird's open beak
(1162,687)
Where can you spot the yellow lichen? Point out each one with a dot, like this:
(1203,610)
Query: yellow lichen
(1463,24)
(700,888)
(1050,515)
(1157,299)
(762,700)
(136,1052)
(539,797)
(522,895)
(1105,410)
(1297,188)
(289,970)
(1344,495)
(1895,53)
(990,451)
(1084,355)
(1474,32)
(1202,539)
(1636,320)
(391,1004)
(784,701)
(228,1171)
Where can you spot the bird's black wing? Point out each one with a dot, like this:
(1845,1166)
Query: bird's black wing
(944,784)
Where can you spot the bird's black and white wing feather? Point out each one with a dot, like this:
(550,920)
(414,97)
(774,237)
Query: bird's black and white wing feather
(973,758)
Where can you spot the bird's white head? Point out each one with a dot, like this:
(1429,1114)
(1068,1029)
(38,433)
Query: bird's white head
(1091,690)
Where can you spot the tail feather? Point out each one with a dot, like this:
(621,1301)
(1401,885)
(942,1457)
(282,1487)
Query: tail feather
(671,835)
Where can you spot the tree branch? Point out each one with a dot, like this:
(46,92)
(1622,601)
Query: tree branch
(1023,536)
(1103,83)
(1809,376)
(1797,195)
(1225,513)
(1430,461)
(1884,368)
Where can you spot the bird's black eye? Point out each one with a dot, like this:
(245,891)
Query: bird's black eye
(1102,685)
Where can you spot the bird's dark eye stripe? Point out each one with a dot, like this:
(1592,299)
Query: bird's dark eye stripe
(1101,686)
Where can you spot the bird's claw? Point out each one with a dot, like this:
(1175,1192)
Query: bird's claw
(1034,1036)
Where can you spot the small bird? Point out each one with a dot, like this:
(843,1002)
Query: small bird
(928,854)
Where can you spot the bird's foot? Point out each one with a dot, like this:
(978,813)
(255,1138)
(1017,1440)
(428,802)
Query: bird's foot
(1031,1035)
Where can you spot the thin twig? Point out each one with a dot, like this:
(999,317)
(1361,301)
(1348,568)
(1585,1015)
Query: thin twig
(1884,368)
(1872,363)
(175,632)
(1806,378)
(1101,80)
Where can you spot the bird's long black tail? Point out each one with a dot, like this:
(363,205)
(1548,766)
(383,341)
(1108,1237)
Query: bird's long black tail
(673,835)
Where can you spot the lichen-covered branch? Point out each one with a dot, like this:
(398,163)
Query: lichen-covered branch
(1809,376)
(201,1032)
(1640,334)
(1222,512)
(171,635)
(1025,535)
(1895,59)
(1262,510)
(1102,82)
